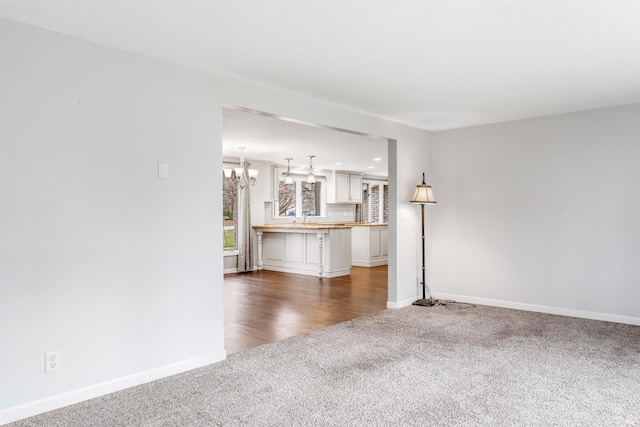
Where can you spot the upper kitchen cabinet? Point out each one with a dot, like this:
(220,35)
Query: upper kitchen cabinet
(344,187)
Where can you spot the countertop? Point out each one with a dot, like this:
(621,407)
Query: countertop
(317,226)
(307,226)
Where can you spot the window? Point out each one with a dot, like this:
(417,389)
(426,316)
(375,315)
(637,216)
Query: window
(229,214)
(300,199)
(287,199)
(311,198)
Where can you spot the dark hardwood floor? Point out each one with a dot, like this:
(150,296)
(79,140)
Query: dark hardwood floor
(268,306)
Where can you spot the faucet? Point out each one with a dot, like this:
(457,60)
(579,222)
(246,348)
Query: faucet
(304,217)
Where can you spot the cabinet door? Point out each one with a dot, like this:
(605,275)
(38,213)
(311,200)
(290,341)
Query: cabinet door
(374,242)
(355,188)
(342,188)
(384,241)
(339,249)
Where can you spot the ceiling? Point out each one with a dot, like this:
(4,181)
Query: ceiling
(434,65)
(273,139)
(430,64)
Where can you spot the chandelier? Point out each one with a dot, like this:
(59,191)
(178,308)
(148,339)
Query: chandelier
(243,176)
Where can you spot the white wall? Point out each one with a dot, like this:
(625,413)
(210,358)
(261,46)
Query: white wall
(541,214)
(405,172)
(100,260)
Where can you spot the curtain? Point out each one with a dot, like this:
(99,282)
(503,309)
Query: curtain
(245,247)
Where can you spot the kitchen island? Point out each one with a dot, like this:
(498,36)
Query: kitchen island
(322,250)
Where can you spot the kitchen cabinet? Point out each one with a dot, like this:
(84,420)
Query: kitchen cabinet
(369,245)
(345,188)
(314,250)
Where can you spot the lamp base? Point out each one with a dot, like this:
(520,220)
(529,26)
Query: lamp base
(423,302)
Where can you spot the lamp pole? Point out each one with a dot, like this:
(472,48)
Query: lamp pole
(424,275)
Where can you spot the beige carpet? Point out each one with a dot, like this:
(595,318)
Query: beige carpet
(454,365)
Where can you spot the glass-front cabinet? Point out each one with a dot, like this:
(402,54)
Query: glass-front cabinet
(375,201)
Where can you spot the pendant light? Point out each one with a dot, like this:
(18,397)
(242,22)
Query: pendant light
(288,180)
(311,178)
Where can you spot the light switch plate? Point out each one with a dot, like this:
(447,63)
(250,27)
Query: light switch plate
(163,170)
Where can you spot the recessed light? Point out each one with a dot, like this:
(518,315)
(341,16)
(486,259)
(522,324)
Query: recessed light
(370,167)
(377,159)
(338,163)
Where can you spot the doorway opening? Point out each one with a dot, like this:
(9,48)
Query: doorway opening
(266,306)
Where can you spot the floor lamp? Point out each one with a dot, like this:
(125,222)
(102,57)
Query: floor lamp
(423,196)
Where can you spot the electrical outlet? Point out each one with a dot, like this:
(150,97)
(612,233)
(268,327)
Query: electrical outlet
(51,362)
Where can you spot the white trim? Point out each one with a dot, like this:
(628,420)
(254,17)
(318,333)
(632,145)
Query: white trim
(36,407)
(308,271)
(543,309)
(526,307)
(403,303)
(228,254)
(369,264)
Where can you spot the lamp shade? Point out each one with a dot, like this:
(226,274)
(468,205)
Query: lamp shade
(423,195)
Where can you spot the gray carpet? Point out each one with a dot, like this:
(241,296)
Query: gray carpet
(454,365)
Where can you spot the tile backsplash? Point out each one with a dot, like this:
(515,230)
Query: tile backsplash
(335,213)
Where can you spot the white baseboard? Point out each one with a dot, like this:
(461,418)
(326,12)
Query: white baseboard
(541,309)
(230,270)
(311,271)
(36,407)
(400,304)
(369,263)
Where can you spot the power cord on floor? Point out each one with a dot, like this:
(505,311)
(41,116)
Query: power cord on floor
(454,305)
(450,304)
